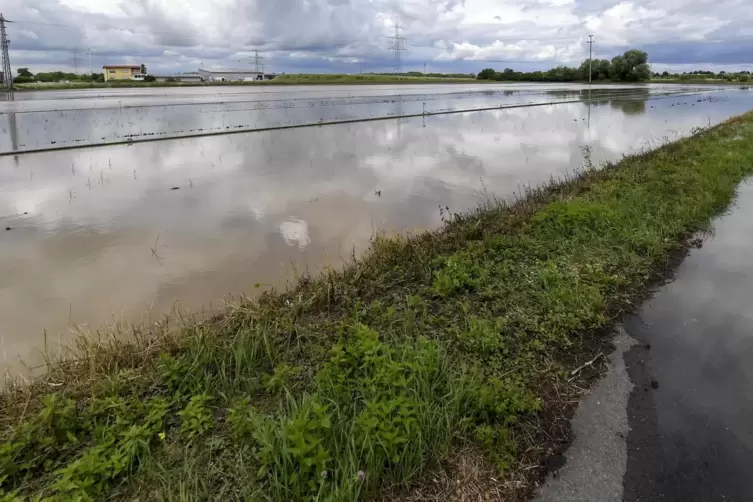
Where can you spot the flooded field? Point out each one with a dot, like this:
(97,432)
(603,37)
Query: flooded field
(74,118)
(122,233)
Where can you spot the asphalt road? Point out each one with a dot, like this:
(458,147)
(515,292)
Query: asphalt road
(673,418)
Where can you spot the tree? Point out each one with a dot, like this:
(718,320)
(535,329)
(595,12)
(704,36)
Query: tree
(150,78)
(143,69)
(605,69)
(486,74)
(600,69)
(631,66)
(24,72)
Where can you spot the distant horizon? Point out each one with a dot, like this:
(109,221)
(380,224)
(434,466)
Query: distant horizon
(353,36)
(325,71)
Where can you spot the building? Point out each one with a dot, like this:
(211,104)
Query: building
(122,72)
(183,77)
(233,75)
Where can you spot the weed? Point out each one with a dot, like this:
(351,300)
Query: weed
(196,417)
(282,378)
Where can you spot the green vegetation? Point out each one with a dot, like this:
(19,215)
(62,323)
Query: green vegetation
(702,77)
(365,78)
(632,66)
(64,82)
(372,378)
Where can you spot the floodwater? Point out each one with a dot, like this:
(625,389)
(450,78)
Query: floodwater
(76,118)
(122,233)
(691,437)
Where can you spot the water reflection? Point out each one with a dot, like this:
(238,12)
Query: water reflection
(51,124)
(117,232)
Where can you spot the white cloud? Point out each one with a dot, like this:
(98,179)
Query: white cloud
(524,50)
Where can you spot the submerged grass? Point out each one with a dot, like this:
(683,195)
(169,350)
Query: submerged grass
(428,352)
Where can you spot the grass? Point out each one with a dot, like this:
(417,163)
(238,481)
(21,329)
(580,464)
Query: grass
(695,81)
(365,79)
(441,356)
(293,79)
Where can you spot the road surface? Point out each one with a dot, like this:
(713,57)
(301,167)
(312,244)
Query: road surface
(673,418)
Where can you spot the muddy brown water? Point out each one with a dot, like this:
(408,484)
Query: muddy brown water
(124,233)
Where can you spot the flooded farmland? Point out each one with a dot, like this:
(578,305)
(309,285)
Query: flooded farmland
(101,232)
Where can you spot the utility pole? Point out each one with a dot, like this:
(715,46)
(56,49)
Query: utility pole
(4,42)
(397,44)
(590,55)
(424,68)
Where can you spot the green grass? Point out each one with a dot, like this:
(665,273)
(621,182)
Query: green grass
(366,382)
(694,81)
(365,79)
(303,79)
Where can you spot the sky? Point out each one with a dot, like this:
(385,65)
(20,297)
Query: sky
(352,36)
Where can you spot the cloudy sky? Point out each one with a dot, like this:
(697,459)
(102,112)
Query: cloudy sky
(352,35)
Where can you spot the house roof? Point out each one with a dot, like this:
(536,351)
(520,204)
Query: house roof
(130,66)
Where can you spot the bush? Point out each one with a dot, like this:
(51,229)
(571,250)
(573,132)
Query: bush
(150,78)
(23,80)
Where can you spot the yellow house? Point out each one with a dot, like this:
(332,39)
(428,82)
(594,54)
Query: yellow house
(121,71)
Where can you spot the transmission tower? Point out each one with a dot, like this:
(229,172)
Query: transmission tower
(75,60)
(258,62)
(7,76)
(397,45)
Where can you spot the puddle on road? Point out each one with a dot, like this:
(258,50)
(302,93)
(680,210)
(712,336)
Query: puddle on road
(112,233)
(693,434)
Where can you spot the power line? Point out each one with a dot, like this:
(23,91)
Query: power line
(45,24)
(509,61)
(4,43)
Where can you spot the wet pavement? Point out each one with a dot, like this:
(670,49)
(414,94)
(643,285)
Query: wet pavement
(691,411)
(687,360)
(120,234)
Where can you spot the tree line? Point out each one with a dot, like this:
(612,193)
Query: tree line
(27,77)
(632,66)
(705,75)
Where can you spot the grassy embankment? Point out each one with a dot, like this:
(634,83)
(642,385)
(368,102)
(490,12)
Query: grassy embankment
(416,361)
(697,81)
(313,79)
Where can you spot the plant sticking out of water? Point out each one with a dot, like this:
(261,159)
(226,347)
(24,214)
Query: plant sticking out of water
(361,383)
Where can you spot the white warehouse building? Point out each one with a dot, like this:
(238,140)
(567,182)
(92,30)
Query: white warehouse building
(233,75)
